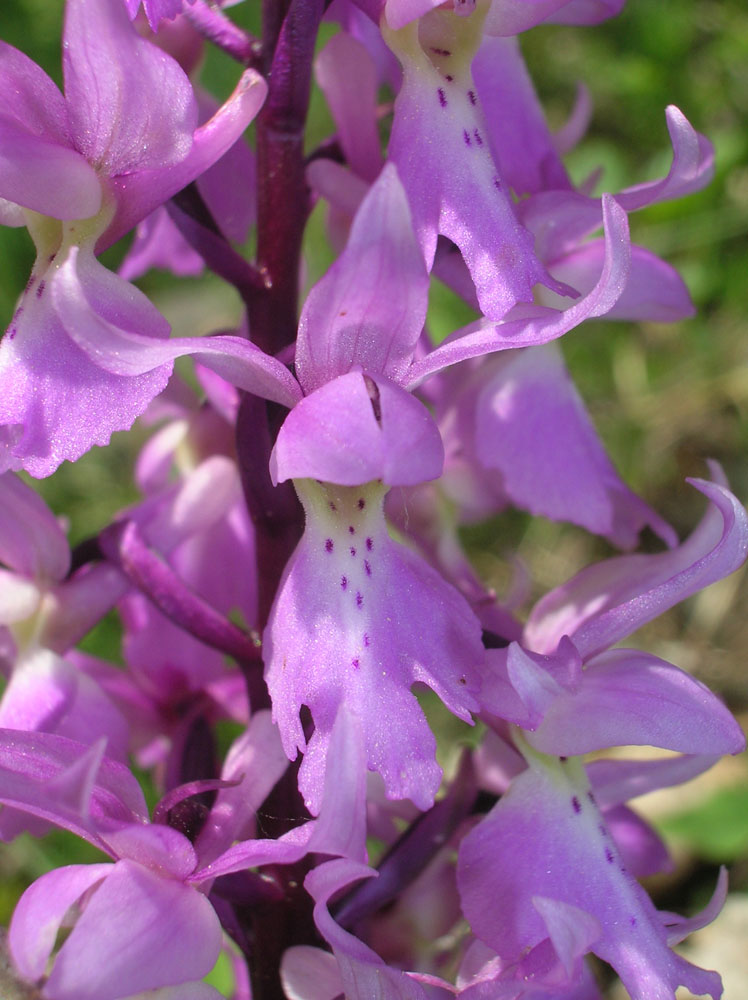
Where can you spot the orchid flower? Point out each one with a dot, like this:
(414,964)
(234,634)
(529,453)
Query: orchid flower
(79,174)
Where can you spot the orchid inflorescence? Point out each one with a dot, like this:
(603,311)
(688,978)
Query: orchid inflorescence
(295,565)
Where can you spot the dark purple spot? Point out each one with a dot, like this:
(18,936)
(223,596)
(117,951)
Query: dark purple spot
(332,506)
(367,640)
(563,759)
(576,805)
(40,288)
(602,830)
(591,797)
(359,599)
(351,530)
(632,921)
(440,52)
(369,545)
(51,258)
(466,137)
(497,183)
(343,582)
(361,503)
(471,97)
(478,137)
(449,78)
(352,551)
(329,545)
(442,97)
(355,663)
(462,680)
(367,567)
(609,856)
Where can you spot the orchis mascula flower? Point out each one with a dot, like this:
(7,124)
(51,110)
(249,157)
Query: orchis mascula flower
(86,352)
(497,870)
(42,615)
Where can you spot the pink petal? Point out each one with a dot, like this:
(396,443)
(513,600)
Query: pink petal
(527,326)
(531,426)
(138,932)
(40,912)
(691,169)
(680,927)
(655,292)
(606,602)
(341,827)
(370,307)
(613,707)
(510,17)
(547,838)
(336,435)
(108,67)
(357,620)
(42,175)
(101,313)
(55,402)
(31,98)
(617,781)
(49,694)
(642,849)
(310,974)
(165,851)
(363,972)
(520,139)
(354,110)
(158,243)
(139,193)
(31,539)
(440,147)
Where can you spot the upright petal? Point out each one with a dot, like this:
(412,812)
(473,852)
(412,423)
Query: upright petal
(370,307)
(31,98)
(114,86)
(343,59)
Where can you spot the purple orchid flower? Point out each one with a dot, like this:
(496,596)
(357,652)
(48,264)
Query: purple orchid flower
(356,433)
(200,524)
(80,175)
(545,851)
(42,614)
(612,689)
(569,710)
(143,921)
(441,151)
